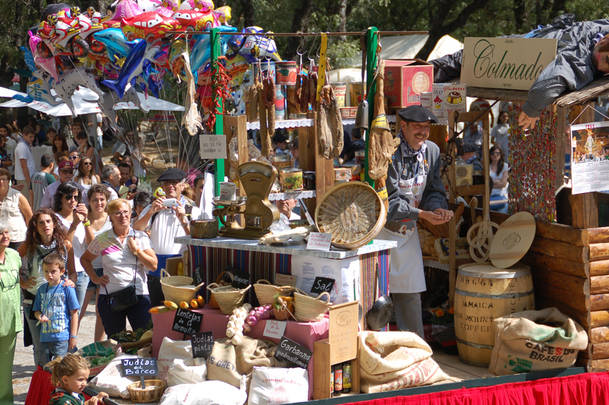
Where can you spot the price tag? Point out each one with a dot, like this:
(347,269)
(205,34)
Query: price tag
(139,366)
(319,241)
(293,352)
(274,329)
(187,322)
(322,284)
(212,146)
(202,344)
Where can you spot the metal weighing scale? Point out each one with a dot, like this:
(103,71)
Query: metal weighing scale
(257,179)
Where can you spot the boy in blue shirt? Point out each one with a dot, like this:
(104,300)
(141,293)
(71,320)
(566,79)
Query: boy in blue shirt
(56,307)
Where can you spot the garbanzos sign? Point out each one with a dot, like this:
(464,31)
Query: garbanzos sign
(508,63)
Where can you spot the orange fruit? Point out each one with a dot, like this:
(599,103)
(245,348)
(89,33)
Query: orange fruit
(200,300)
(194,304)
(183,305)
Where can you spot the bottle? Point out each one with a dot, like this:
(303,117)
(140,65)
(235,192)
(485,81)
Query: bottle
(331,380)
(338,379)
(347,377)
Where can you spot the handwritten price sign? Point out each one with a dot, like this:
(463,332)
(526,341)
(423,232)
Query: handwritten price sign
(212,146)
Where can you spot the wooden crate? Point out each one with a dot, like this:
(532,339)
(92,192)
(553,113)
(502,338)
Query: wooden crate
(340,347)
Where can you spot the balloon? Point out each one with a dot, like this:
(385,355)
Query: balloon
(223,14)
(69,82)
(258,47)
(200,53)
(148,25)
(116,44)
(125,9)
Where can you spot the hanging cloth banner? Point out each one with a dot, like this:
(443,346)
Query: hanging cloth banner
(321,74)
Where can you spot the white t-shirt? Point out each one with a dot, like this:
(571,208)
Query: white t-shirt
(119,263)
(78,243)
(23,151)
(166,227)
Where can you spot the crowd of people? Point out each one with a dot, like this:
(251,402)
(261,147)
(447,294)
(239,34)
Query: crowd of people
(77,229)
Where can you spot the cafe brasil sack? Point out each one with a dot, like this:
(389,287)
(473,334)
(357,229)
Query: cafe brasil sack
(535,340)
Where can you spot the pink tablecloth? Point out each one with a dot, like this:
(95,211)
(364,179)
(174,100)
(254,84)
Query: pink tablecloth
(305,333)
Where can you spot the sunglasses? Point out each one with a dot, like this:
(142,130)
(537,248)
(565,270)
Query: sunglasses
(73,157)
(87,164)
(71,197)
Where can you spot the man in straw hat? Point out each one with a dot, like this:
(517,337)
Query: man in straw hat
(415,191)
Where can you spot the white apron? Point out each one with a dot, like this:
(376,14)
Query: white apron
(406,273)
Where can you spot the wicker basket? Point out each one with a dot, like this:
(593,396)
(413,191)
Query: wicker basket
(266,292)
(178,288)
(227,297)
(152,393)
(307,308)
(352,212)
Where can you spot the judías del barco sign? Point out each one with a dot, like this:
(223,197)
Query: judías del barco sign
(508,63)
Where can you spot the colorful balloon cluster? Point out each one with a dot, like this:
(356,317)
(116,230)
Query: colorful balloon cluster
(134,48)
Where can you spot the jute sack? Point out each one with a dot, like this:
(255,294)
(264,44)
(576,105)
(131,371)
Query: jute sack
(256,353)
(394,360)
(535,340)
(222,363)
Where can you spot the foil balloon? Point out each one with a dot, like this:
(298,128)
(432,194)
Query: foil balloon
(125,9)
(148,5)
(70,81)
(47,63)
(150,25)
(200,49)
(131,68)
(115,42)
(29,58)
(259,47)
(195,20)
(223,14)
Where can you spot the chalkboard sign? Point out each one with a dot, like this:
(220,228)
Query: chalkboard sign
(187,322)
(322,284)
(139,366)
(202,343)
(293,352)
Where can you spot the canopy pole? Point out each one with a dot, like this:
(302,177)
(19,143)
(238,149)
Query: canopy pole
(371,62)
(216,52)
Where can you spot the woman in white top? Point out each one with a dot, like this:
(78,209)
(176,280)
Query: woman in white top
(15,210)
(85,175)
(126,256)
(99,222)
(499,175)
(72,214)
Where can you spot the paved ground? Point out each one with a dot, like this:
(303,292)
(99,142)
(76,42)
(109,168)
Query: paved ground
(23,366)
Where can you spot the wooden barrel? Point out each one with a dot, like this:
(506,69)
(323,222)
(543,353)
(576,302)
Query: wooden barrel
(483,293)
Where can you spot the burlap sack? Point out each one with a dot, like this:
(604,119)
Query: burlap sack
(394,360)
(222,363)
(535,340)
(256,353)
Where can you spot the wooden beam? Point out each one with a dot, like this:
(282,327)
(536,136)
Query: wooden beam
(599,268)
(584,210)
(599,302)
(598,235)
(600,351)
(562,233)
(599,318)
(599,335)
(579,254)
(236,126)
(599,285)
(598,365)
(572,293)
(599,251)
(548,299)
(555,264)
(497,94)
(587,93)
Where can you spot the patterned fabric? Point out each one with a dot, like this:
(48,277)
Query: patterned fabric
(61,397)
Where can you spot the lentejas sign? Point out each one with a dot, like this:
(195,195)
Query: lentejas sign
(507,63)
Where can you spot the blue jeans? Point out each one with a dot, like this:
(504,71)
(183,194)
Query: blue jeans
(82,282)
(54,349)
(114,322)
(39,353)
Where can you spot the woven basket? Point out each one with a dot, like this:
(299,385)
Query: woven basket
(178,288)
(152,393)
(227,297)
(307,308)
(352,212)
(266,292)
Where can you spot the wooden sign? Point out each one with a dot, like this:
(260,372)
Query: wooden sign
(139,366)
(212,146)
(342,335)
(202,344)
(187,322)
(507,63)
(293,352)
(322,284)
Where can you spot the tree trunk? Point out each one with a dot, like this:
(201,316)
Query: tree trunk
(300,23)
(342,16)
(520,13)
(248,13)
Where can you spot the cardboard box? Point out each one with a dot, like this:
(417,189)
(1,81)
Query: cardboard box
(405,80)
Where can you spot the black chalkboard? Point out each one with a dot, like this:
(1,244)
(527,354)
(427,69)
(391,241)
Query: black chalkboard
(139,366)
(187,322)
(322,284)
(202,343)
(293,352)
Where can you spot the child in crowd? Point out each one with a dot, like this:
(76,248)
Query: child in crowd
(70,375)
(56,307)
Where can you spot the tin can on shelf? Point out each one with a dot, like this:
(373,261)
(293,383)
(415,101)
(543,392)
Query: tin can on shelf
(338,379)
(290,179)
(347,377)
